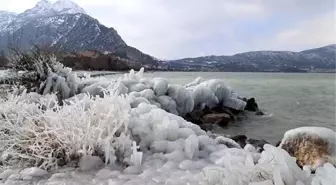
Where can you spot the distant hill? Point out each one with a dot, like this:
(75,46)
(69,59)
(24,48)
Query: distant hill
(321,59)
(94,60)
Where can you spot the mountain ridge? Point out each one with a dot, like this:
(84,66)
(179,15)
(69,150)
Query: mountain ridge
(65,27)
(321,59)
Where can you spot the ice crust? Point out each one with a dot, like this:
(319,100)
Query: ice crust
(135,127)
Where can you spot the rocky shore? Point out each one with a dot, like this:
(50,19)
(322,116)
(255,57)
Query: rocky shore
(221,116)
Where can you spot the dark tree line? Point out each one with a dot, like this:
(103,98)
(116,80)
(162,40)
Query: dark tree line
(3,60)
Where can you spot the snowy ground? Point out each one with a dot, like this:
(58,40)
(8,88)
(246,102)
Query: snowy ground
(35,131)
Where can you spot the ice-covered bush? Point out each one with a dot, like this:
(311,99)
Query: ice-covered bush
(58,135)
(41,72)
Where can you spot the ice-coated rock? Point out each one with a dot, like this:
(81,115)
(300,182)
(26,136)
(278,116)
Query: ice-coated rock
(34,172)
(311,146)
(104,174)
(87,163)
(8,172)
(135,102)
(266,182)
(191,146)
(160,86)
(137,87)
(185,132)
(60,176)
(182,97)
(132,170)
(197,81)
(202,96)
(160,146)
(176,156)
(168,104)
(148,94)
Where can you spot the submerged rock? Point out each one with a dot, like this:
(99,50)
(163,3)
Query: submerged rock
(251,105)
(278,143)
(311,146)
(242,140)
(258,143)
(208,117)
(195,116)
(221,119)
(259,113)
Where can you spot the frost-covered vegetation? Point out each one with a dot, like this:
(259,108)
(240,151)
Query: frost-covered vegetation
(134,126)
(41,72)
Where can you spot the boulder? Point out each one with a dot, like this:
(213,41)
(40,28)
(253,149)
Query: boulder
(240,139)
(195,116)
(257,143)
(233,113)
(311,146)
(206,127)
(251,105)
(278,143)
(259,113)
(221,119)
(207,110)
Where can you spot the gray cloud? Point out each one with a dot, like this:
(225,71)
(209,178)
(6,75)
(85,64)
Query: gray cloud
(174,29)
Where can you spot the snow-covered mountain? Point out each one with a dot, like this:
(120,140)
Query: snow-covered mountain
(6,18)
(66,6)
(321,59)
(63,26)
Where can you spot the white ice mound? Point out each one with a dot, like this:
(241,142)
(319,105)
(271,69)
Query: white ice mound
(325,175)
(182,97)
(174,98)
(160,86)
(197,81)
(322,132)
(214,92)
(35,172)
(316,145)
(202,96)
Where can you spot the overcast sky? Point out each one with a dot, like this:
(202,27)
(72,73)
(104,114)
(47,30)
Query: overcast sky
(173,29)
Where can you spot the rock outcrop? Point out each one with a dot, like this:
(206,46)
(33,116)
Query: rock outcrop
(221,116)
(207,117)
(251,105)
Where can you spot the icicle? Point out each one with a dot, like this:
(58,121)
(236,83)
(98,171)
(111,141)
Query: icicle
(136,157)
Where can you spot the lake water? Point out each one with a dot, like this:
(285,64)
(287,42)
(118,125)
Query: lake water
(289,100)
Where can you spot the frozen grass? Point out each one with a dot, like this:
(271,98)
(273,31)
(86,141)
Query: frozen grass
(56,135)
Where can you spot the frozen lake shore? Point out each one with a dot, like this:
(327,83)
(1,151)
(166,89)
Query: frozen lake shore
(134,136)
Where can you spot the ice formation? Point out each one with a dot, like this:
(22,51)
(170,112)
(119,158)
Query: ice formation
(317,142)
(135,128)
